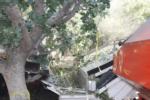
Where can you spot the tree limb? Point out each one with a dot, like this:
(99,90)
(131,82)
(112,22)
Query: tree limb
(28,39)
(37,31)
(64,14)
(14,14)
(68,11)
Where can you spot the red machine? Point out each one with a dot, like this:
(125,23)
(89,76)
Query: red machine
(132,61)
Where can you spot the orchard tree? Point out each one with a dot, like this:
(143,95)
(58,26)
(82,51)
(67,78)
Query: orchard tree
(25,23)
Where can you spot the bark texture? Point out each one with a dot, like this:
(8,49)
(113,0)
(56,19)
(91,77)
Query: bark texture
(15,78)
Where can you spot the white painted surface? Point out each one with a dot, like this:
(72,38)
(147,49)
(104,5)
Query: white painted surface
(121,91)
(123,94)
(115,89)
(92,85)
(78,97)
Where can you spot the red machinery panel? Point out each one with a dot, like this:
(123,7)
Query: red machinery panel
(132,61)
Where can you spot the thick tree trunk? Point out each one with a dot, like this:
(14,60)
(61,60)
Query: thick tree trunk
(15,79)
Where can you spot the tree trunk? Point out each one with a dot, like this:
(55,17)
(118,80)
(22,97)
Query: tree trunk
(15,78)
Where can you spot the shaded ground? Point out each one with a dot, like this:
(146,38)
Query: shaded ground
(36,89)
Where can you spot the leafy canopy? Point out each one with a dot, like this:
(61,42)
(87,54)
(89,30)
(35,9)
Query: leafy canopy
(10,36)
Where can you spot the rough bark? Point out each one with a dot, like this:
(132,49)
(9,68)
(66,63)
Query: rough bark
(14,75)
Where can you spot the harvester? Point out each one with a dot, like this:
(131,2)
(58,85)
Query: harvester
(127,73)
(132,61)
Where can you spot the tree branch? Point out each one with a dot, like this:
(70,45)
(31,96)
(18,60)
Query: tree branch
(39,10)
(28,39)
(68,11)
(37,32)
(14,14)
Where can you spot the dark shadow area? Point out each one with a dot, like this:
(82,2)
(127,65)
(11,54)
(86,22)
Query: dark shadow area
(37,89)
(105,79)
(3,89)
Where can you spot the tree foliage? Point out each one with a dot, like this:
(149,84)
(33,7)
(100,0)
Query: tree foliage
(79,32)
(60,35)
(12,35)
